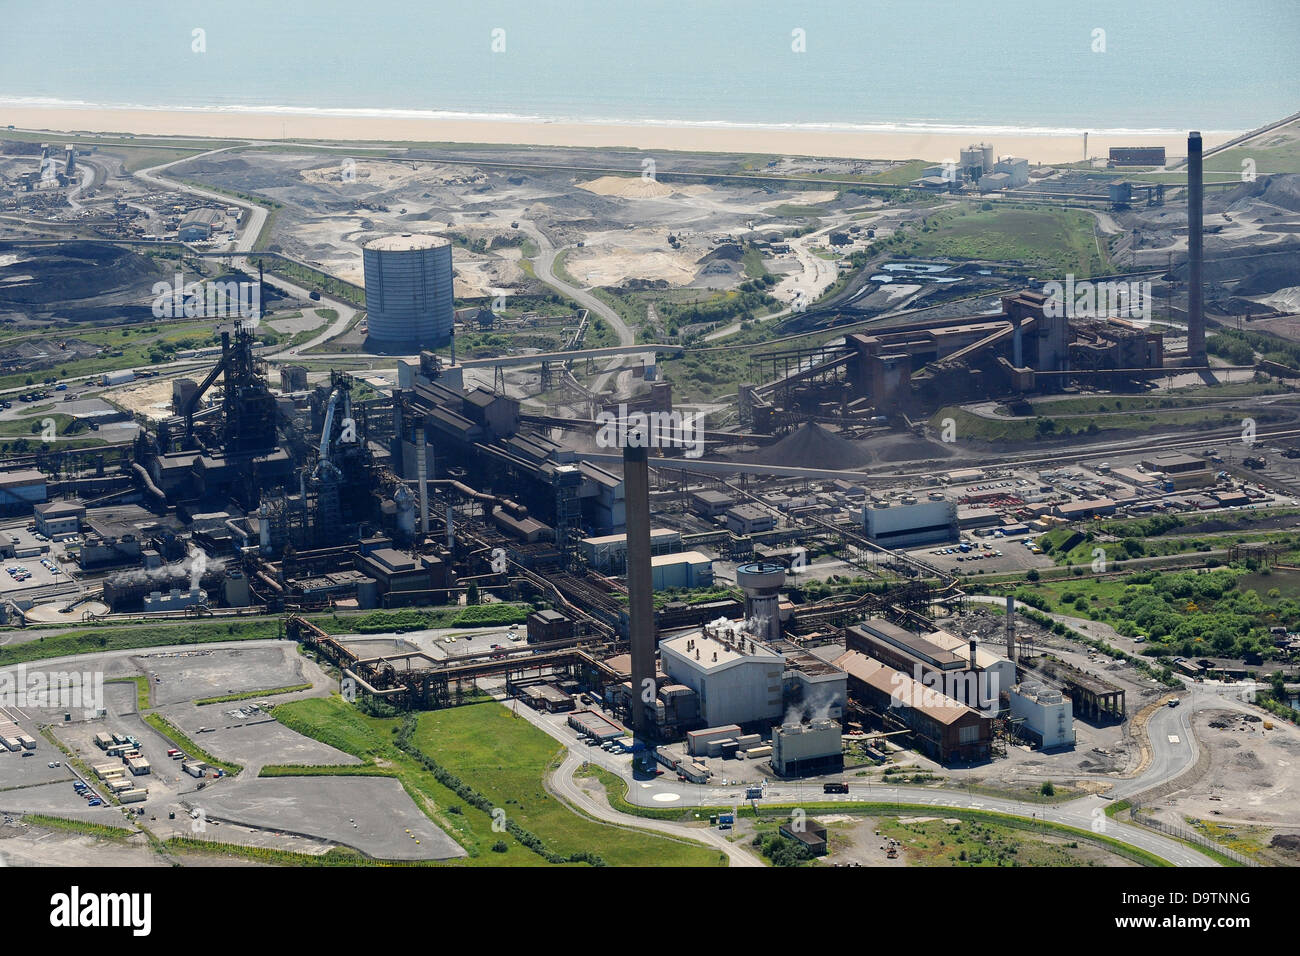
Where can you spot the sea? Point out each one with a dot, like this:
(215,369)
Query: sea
(987,66)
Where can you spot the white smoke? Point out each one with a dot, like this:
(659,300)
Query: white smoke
(816,706)
(198,564)
(192,566)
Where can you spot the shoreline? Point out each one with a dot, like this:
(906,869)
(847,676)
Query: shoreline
(340,127)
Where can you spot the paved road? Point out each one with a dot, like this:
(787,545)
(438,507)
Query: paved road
(563,785)
(252,228)
(544,266)
(1086,813)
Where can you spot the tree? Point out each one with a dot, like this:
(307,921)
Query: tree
(1032,575)
(1047,789)
(471,593)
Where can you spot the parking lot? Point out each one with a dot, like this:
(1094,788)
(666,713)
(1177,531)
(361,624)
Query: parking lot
(33,571)
(991,555)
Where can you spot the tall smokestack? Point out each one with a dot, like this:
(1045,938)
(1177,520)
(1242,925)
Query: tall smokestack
(422,470)
(1195,253)
(1011,628)
(636,496)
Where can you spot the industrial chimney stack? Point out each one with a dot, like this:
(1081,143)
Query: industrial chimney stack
(636,485)
(1011,628)
(1196,354)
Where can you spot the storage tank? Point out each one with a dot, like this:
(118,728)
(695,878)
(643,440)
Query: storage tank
(987,152)
(367,594)
(408,291)
(237,593)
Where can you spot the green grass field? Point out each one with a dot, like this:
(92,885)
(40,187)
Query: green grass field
(499,756)
(1051,241)
(95,640)
(1277,151)
(974,843)
(506,758)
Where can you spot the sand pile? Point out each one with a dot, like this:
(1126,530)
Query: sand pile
(625,187)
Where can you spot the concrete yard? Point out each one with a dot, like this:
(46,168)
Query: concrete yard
(328,808)
(201,672)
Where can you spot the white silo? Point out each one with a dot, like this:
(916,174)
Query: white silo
(408,292)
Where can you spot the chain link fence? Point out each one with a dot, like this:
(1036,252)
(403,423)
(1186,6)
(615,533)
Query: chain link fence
(1190,836)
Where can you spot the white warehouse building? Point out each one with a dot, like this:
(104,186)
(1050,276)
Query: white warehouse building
(906,526)
(1048,714)
(738,679)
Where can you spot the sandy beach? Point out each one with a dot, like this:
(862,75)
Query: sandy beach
(336,127)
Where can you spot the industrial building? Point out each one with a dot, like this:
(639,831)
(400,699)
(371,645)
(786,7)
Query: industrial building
(1048,714)
(547,625)
(690,569)
(749,519)
(20,490)
(943,729)
(54,519)
(810,834)
(175,600)
(409,297)
(1034,345)
(546,697)
(738,679)
(698,741)
(802,750)
(963,670)
(608,553)
(1136,156)
(709,503)
(910,525)
(199,225)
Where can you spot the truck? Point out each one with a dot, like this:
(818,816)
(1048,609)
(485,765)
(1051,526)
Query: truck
(119,377)
(835,787)
(726,821)
(1255,463)
(753,793)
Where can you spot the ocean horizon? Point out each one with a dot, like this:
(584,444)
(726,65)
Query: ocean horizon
(1008,67)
